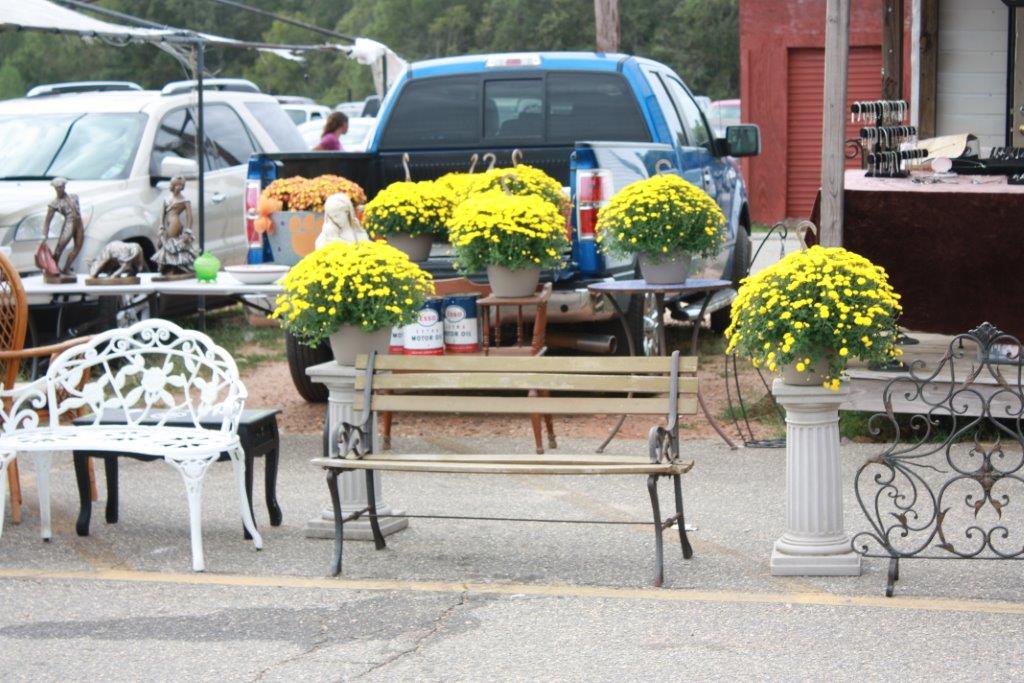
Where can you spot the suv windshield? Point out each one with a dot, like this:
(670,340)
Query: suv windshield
(76,146)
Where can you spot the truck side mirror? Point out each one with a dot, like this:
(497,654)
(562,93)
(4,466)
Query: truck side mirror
(743,140)
(172,165)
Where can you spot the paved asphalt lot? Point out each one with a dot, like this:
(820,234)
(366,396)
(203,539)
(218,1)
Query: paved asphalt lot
(451,600)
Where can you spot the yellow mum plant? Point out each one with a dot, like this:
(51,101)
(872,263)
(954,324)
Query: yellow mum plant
(498,229)
(458,185)
(368,284)
(661,216)
(522,180)
(420,208)
(820,304)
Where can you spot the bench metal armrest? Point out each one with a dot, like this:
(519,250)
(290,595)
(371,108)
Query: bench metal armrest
(357,438)
(19,407)
(663,442)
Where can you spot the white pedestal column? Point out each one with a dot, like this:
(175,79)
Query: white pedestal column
(340,381)
(815,543)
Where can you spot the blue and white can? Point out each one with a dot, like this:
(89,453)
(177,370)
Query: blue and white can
(461,324)
(425,337)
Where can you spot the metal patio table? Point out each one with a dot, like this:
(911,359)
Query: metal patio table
(643,288)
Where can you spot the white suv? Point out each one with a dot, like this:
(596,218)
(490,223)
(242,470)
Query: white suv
(117,150)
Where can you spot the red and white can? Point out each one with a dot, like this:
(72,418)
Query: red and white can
(425,337)
(397,344)
(461,324)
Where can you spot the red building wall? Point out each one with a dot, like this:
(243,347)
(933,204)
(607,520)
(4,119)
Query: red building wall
(774,33)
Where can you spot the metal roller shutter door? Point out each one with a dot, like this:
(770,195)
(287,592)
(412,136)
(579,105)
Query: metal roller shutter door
(804,92)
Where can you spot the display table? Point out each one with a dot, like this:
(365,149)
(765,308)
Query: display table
(654,342)
(952,249)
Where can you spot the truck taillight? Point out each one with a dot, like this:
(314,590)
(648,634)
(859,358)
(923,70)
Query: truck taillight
(252,200)
(593,190)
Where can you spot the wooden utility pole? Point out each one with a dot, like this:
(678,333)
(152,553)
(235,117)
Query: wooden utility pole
(892,49)
(606,20)
(837,48)
(928,68)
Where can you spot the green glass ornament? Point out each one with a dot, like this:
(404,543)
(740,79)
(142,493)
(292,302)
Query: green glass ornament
(206,266)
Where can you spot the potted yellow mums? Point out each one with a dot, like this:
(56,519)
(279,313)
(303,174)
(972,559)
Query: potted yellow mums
(408,215)
(352,294)
(813,311)
(664,220)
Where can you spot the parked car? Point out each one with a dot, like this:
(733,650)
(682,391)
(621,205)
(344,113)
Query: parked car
(304,112)
(360,129)
(595,122)
(722,114)
(367,107)
(117,150)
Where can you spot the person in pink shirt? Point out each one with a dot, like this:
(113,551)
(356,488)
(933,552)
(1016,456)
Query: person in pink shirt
(335,126)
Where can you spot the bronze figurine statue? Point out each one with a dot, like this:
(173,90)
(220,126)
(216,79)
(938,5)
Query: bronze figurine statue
(118,264)
(72,231)
(176,250)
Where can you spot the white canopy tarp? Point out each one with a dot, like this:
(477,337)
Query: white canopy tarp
(43,15)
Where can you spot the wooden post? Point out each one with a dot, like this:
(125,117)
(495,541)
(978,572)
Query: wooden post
(1017,101)
(606,21)
(892,49)
(928,68)
(837,48)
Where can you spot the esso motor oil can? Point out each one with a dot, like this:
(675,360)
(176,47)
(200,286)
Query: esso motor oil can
(461,324)
(425,337)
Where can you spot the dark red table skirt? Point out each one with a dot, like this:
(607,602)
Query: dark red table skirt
(955,256)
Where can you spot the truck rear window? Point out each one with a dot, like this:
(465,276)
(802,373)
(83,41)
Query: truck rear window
(523,109)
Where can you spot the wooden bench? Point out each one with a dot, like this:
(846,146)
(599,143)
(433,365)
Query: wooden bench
(496,385)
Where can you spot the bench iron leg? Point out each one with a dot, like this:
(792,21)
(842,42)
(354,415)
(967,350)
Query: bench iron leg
(659,564)
(894,576)
(250,466)
(239,462)
(43,462)
(677,485)
(339,522)
(84,498)
(371,500)
(192,472)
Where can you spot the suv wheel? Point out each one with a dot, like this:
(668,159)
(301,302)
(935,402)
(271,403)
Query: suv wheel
(740,269)
(125,310)
(301,357)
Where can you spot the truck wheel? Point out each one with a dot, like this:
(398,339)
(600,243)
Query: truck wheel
(740,269)
(301,357)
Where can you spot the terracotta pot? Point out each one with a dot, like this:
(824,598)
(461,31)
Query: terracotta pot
(671,270)
(813,375)
(416,247)
(350,341)
(513,283)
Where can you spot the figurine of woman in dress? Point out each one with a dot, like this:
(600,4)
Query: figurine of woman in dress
(176,249)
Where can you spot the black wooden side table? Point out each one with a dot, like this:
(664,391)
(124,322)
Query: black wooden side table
(257,431)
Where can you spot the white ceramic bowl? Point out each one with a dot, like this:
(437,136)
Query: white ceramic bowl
(257,273)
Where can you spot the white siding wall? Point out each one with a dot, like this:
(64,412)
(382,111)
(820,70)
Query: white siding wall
(972,69)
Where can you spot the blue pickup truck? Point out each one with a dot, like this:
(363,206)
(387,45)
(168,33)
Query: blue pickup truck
(596,122)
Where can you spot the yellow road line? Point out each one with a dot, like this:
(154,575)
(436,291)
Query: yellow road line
(540,590)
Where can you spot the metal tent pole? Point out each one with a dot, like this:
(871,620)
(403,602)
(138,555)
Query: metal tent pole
(201,164)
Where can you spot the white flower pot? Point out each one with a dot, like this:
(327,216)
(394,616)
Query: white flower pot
(513,283)
(350,341)
(671,270)
(416,247)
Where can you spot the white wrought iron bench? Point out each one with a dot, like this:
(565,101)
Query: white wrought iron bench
(151,366)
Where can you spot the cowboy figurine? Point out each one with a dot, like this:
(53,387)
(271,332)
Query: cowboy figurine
(67,206)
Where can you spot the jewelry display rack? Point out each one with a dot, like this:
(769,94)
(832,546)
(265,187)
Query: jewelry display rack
(884,136)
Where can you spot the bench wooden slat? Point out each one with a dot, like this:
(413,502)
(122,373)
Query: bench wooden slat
(525,405)
(520,458)
(485,381)
(680,467)
(601,365)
